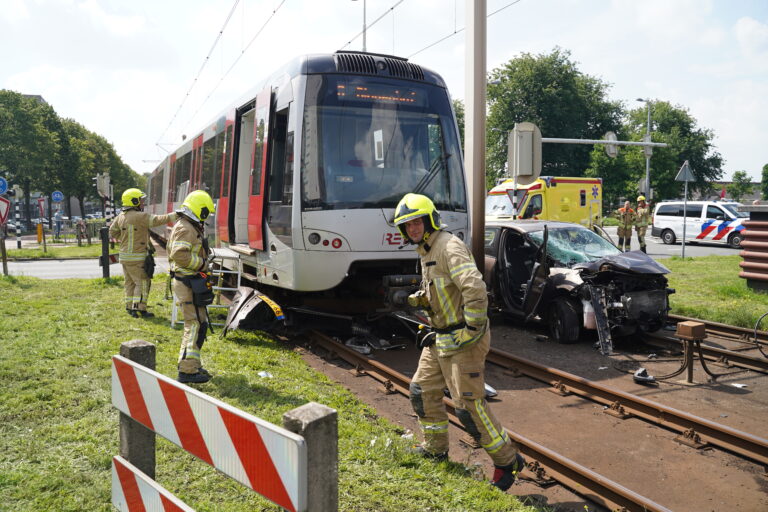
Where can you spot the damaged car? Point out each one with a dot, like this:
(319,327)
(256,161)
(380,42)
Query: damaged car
(573,279)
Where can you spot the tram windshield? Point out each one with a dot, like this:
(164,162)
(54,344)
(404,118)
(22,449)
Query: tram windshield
(368,141)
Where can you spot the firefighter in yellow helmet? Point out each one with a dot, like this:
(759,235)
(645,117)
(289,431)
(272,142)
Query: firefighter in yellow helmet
(131,228)
(642,219)
(454,347)
(188,255)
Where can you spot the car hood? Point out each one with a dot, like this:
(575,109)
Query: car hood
(633,261)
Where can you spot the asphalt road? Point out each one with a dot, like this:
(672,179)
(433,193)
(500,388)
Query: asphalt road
(657,250)
(89,268)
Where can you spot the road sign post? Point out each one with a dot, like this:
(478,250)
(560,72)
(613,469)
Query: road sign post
(685,175)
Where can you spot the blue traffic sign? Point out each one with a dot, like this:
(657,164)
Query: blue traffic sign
(3,186)
(57,196)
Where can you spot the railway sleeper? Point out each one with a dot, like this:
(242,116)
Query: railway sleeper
(617,410)
(559,388)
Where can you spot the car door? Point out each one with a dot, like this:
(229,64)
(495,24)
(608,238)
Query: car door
(534,289)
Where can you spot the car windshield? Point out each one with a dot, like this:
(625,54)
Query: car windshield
(734,209)
(574,244)
(498,204)
(368,141)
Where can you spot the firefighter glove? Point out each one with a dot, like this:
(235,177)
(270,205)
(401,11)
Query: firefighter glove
(425,337)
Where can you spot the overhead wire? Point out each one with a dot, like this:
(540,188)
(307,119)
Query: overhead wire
(200,71)
(367,26)
(242,52)
(456,31)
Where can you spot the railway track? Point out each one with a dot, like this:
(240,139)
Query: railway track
(546,464)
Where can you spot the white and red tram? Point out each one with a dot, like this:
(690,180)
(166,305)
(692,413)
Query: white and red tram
(306,172)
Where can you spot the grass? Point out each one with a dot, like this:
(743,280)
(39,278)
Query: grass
(59,431)
(710,288)
(57,252)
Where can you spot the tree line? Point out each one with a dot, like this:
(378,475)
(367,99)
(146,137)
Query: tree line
(549,90)
(43,152)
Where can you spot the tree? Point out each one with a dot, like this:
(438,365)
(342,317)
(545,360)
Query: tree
(549,91)
(675,126)
(458,108)
(741,186)
(764,183)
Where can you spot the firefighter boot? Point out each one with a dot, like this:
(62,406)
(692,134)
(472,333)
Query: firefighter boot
(200,377)
(421,451)
(643,249)
(505,476)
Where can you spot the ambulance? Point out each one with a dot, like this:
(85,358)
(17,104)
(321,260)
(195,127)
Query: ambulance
(565,199)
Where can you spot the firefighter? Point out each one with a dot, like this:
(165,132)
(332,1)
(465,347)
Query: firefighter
(188,253)
(626,218)
(131,228)
(642,220)
(454,347)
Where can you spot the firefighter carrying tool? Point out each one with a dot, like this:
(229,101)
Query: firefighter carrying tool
(454,349)
(188,254)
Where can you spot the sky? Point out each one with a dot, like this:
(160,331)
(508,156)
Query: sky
(142,73)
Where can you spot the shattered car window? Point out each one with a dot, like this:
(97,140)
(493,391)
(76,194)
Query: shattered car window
(572,245)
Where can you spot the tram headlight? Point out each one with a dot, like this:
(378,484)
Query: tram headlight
(314,238)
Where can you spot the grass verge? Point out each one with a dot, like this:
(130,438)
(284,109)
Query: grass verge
(59,431)
(710,288)
(57,252)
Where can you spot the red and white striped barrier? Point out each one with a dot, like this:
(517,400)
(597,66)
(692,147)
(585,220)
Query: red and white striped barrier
(133,491)
(264,457)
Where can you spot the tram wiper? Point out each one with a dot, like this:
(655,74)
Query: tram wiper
(437,165)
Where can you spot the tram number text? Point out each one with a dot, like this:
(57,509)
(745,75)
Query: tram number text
(392,239)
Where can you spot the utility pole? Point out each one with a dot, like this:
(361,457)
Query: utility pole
(474,130)
(648,150)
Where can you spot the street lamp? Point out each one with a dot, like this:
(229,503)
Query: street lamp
(647,149)
(364,23)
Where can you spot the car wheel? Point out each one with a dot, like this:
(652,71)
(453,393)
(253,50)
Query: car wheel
(668,237)
(735,240)
(564,324)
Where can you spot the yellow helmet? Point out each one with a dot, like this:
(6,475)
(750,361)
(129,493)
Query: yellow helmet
(640,198)
(199,204)
(413,206)
(132,197)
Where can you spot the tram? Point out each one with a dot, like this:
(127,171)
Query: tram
(306,171)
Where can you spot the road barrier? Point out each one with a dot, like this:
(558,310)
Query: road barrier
(295,467)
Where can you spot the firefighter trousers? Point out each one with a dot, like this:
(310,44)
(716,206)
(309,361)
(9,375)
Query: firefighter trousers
(641,235)
(195,329)
(137,285)
(463,373)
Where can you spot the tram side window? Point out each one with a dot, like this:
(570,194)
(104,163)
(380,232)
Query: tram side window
(209,151)
(277,165)
(288,179)
(216,165)
(226,151)
(258,156)
(183,168)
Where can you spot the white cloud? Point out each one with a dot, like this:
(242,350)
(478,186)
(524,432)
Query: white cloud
(752,37)
(113,23)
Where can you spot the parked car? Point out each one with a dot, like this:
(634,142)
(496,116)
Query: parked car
(705,221)
(572,278)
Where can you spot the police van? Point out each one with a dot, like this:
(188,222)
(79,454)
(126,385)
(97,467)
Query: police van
(565,199)
(705,221)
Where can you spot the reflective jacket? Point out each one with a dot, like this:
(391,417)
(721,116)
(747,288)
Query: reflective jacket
(131,227)
(626,221)
(643,217)
(187,251)
(455,290)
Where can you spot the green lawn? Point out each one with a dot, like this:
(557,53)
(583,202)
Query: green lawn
(59,432)
(710,288)
(57,251)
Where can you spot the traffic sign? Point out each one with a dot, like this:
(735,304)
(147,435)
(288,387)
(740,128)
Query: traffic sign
(3,186)
(5,207)
(685,174)
(57,196)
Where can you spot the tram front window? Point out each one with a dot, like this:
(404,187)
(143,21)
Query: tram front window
(369,141)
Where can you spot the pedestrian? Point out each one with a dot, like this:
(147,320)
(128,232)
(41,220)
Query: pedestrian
(131,229)
(642,219)
(58,219)
(626,216)
(188,253)
(455,345)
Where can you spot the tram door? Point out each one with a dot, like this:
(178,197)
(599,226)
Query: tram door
(259,159)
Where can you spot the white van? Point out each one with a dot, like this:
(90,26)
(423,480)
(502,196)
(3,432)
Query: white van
(706,221)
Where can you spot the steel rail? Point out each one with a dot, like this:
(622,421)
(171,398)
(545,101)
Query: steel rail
(720,355)
(730,331)
(695,430)
(580,479)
